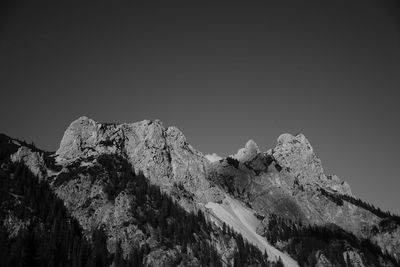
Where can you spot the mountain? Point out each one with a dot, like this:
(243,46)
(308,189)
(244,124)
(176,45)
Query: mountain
(287,188)
(141,195)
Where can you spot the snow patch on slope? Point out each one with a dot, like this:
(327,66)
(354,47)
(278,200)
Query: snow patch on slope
(242,220)
(213,157)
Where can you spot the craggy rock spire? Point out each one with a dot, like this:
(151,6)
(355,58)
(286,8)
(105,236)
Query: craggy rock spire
(248,152)
(297,158)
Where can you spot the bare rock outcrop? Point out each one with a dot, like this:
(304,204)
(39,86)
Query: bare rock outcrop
(296,156)
(161,257)
(14,225)
(162,154)
(322,261)
(32,159)
(289,181)
(387,235)
(352,258)
(248,152)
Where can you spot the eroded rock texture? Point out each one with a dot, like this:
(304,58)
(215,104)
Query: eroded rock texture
(162,154)
(289,181)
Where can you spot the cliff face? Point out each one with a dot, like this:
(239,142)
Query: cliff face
(297,158)
(161,154)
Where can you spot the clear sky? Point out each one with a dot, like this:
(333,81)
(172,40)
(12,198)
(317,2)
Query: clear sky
(222,73)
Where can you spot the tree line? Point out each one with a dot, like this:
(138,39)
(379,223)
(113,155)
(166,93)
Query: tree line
(303,241)
(339,198)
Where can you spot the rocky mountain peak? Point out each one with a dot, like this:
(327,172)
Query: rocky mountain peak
(79,134)
(297,158)
(85,137)
(247,153)
(175,134)
(296,155)
(162,154)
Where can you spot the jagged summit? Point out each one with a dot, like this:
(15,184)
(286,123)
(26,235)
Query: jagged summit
(247,153)
(84,135)
(296,153)
(162,154)
(296,156)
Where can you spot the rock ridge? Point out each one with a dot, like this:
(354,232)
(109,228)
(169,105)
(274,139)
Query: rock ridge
(296,156)
(162,154)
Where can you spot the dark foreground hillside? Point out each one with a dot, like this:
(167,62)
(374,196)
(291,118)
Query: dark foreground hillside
(307,243)
(37,230)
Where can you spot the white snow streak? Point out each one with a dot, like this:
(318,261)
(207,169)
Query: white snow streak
(242,220)
(212,157)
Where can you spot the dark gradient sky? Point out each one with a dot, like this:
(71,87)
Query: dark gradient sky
(222,73)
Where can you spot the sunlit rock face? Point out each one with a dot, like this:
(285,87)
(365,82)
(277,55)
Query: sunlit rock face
(387,235)
(288,181)
(162,154)
(297,158)
(248,152)
(352,258)
(34,160)
(284,180)
(322,261)
(212,157)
